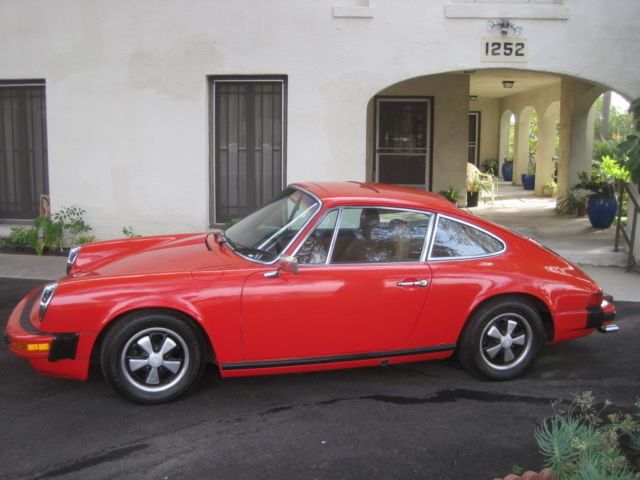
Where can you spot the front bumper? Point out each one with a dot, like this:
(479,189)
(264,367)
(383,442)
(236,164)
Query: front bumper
(65,354)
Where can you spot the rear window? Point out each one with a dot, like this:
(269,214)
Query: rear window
(454,239)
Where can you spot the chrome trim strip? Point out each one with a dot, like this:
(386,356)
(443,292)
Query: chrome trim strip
(428,238)
(334,238)
(296,362)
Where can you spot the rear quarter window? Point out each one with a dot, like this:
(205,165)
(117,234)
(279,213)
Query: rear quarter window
(456,239)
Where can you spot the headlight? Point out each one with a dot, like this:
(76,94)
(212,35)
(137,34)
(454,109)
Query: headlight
(73,255)
(45,300)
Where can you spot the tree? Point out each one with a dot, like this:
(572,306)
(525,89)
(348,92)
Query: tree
(604,117)
(620,123)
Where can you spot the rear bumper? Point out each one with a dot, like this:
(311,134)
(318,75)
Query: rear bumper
(49,353)
(602,317)
(570,325)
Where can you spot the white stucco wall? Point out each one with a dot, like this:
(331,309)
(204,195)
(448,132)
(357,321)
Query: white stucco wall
(127,100)
(489,109)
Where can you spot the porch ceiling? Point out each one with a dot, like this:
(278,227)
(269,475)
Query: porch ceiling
(488,83)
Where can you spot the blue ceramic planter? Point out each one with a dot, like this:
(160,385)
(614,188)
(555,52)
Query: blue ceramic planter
(507,172)
(602,211)
(528,181)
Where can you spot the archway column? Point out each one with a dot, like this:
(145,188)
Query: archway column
(546,145)
(576,130)
(503,147)
(521,161)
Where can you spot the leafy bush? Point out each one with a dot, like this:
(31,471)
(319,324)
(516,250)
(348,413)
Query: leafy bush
(85,239)
(19,235)
(129,233)
(231,223)
(630,148)
(44,233)
(73,223)
(585,443)
(66,227)
(453,194)
(604,178)
(605,148)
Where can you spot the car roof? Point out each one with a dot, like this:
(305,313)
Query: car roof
(376,194)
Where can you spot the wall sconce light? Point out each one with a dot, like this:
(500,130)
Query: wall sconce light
(473,97)
(508,83)
(504,25)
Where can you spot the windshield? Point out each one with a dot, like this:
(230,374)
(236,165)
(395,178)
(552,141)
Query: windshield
(267,232)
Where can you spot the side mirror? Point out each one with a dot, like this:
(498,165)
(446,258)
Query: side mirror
(287,263)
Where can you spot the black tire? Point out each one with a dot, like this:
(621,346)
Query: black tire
(502,339)
(152,356)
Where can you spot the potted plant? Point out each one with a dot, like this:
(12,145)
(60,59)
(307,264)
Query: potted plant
(529,178)
(452,194)
(507,169)
(490,166)
(473,191)
(573,202)
(601,183)
(550,189)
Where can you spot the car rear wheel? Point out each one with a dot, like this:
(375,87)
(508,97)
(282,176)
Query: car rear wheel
(152,357)
(502,339)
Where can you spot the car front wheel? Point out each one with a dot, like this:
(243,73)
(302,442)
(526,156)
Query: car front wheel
(502,339)
(152,357)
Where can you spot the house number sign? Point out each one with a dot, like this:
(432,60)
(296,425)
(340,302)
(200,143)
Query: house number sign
(504,49)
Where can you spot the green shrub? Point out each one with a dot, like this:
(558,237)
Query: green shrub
(586,443)
(19,235)
(630,148)
(129,233)
(231,223)
(72,223)
(66,227)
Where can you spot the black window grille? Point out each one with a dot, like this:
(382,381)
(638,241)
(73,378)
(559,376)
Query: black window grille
(23,149)
(248,145)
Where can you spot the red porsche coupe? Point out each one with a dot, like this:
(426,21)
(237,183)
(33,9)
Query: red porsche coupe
(324,276)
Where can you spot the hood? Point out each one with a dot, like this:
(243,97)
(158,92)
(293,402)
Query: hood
(149,255)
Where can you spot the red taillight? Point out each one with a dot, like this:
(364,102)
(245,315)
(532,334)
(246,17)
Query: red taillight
(595,300)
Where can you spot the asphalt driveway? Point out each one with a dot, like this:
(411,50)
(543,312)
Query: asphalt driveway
(426,420)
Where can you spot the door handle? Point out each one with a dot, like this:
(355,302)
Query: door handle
(419,283)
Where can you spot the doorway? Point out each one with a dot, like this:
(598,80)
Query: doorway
(403,141)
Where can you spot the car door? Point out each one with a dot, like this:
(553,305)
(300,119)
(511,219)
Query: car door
(360,287)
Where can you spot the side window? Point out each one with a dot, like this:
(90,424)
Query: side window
(315,248)
(375,235)
(455,239)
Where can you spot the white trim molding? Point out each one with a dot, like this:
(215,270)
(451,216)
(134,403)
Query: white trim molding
(505,10)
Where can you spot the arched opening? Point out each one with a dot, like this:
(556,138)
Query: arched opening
(422,131)
(525,144)
(507,143)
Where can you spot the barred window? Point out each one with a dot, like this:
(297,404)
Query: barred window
(23,148)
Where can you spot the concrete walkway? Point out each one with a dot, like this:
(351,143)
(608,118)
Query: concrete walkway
(514,207)
(32,266)
(572,237)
